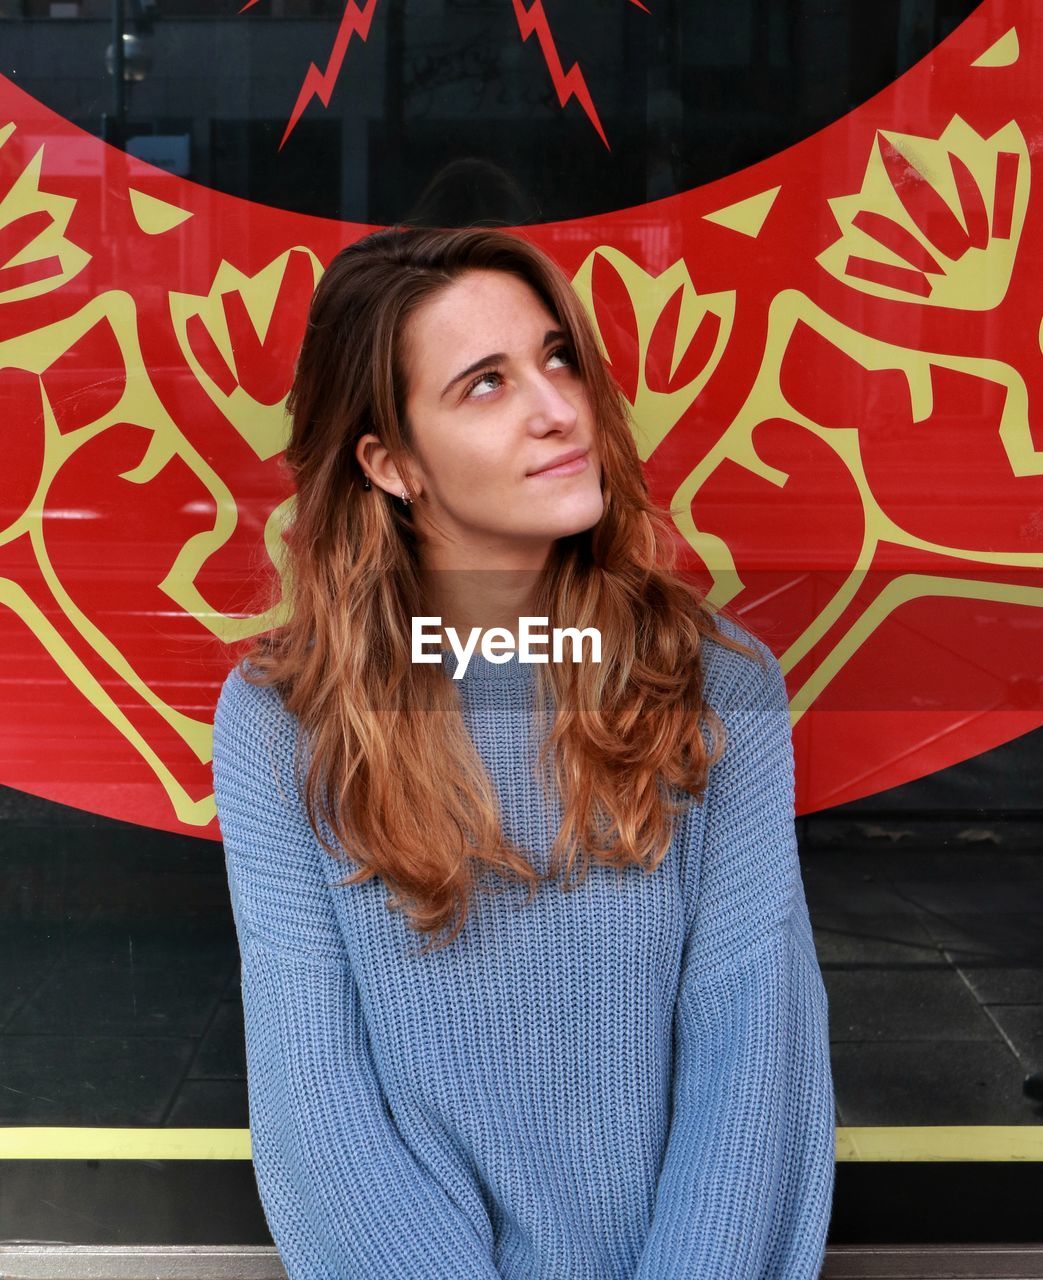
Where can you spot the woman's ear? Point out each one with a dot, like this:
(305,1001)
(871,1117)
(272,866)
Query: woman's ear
(377,464)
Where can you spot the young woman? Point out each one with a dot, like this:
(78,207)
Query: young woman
(622,1071)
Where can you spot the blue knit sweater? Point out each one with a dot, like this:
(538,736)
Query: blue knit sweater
(631,1079)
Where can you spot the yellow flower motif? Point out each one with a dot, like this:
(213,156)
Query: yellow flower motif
(937,221)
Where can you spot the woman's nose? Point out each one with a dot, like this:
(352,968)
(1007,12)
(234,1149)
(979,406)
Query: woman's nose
(551,407)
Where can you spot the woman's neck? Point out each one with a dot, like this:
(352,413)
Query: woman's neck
(483,598)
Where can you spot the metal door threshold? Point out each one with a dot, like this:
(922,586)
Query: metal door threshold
(934,1262)
(260,1262)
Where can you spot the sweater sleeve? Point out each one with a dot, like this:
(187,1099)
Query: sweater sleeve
(343,1196)
(746,1185)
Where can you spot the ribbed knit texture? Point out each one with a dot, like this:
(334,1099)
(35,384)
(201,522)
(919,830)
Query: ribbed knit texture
(630,1079)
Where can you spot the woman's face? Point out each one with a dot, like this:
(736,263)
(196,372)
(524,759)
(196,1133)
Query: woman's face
(494,399)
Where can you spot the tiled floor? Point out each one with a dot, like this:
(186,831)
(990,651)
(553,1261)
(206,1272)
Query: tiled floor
(119,975)
(933,964)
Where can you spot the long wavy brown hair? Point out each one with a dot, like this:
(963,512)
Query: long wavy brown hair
(393,780)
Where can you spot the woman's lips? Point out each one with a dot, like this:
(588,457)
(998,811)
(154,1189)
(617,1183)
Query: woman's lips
(564,468)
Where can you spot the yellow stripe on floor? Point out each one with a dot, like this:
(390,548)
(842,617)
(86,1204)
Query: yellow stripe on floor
(30,1143)
(942,1142)
(926,1143)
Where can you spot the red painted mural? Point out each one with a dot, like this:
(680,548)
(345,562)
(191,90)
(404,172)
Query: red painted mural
(833,359)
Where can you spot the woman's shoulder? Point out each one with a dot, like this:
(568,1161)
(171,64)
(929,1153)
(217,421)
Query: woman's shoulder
(250,702)
(734,680)
(252,723)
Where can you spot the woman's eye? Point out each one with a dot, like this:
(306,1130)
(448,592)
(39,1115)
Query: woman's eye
(495,378)
(490,376)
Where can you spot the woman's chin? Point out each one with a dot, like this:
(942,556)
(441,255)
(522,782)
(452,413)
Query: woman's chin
(580,524)
(584,514)
(565,518)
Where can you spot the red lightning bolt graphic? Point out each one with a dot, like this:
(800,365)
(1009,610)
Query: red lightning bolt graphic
(567,84)
(356,21)
(320,84)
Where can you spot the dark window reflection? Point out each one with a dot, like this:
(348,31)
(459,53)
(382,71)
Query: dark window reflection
(444,113)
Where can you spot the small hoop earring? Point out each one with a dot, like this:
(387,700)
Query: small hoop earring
(406,499)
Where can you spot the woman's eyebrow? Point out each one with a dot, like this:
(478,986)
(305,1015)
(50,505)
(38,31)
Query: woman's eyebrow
(552,335)
(495,358)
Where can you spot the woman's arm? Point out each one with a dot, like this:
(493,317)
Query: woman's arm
(746,1186)
(343,1196)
